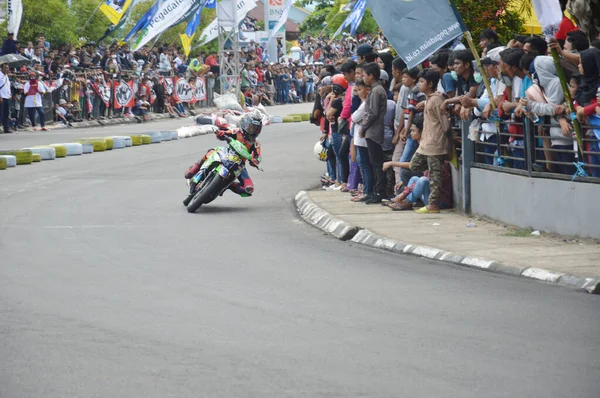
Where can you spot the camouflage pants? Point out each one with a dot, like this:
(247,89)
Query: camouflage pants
(420,163)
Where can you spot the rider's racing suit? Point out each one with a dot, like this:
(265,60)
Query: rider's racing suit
(244,187)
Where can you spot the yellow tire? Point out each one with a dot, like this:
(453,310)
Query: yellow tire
(297,119)
(61,150)
(288,119)
(146,139)
(109,143)
(305,117)
(36,157)
(108,140)
(136,140)
(24,156)
(2,163)
(99,144)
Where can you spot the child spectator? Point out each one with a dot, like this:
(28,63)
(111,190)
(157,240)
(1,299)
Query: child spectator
(433,146)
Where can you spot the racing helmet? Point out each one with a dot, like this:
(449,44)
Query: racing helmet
(251,125)
(320,151)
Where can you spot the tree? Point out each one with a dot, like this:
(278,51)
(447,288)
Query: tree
(50,18)
(496,14)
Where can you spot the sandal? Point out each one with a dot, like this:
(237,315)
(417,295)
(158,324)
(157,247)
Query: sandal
(360,198)
(395,206)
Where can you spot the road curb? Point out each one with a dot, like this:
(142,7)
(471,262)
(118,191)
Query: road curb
(326,222)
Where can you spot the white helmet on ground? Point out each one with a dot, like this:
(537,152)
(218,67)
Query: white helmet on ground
(320,151)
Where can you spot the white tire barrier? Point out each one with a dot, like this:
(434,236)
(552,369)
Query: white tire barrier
(174,135)
(128,141)
(156,137)
(87,148)
(118,142)
(73,148)
(11,161)
(48,153)
(166,135)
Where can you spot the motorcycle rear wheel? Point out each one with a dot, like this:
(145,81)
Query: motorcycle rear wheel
(210,187)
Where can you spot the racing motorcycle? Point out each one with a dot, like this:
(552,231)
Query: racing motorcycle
(220,169)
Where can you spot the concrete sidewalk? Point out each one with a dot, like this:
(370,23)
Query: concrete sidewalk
(447,237)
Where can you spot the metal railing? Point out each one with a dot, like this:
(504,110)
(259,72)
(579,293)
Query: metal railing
(533,150)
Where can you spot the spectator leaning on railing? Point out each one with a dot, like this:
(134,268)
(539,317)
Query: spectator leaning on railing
(522,123)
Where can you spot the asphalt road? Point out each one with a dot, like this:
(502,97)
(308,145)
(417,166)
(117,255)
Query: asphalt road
(109,288)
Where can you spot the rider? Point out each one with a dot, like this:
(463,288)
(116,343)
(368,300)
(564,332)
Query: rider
(247,134)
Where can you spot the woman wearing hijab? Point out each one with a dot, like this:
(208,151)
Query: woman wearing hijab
(33,90)
(586,102)
(549,102)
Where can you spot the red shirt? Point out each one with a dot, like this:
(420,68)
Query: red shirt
(211,60)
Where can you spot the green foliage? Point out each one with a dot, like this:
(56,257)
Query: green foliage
(61,25)
(40,18)
(89,24)
(328,12)
(482,14)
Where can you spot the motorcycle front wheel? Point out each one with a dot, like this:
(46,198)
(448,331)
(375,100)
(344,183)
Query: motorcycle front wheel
(209,189)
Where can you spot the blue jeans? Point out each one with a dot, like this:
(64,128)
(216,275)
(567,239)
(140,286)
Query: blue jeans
(331,163)
(40,111)
(595,159)
(420,191)
(310,88)
(342,150)
(366,170)
(490,149)
(518,153)
(409,150)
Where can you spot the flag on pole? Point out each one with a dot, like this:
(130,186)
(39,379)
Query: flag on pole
(144,20)
(549,15)
(115,9)
(354,18)
(190,31)
(14,13)
(417,29)
(212,30)
(282,19)
(168,13)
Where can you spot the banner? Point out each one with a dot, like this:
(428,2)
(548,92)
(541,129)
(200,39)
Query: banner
(549,15)
(124,97)
(416,29)
(282,20)
(168,85)
(190,30)
(14,13)
(103,91)
(144,20)
(211,32)
(200,89)
(354,18)
(183,91)
(169,13)
(115,9)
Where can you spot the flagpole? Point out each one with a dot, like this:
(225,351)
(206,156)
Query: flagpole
(486,81)
(92,16)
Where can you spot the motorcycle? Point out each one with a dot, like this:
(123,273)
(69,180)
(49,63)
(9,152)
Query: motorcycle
(220,169)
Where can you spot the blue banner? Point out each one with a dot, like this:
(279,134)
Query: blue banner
(418,28)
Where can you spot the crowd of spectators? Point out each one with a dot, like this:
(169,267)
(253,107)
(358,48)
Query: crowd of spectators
(391,133)
(72,83)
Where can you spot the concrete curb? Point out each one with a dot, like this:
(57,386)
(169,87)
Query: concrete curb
(326,222)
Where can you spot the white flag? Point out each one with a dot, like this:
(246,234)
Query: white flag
(282,19)
(212,30)
(14,12)
(167,14)
(549,14)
